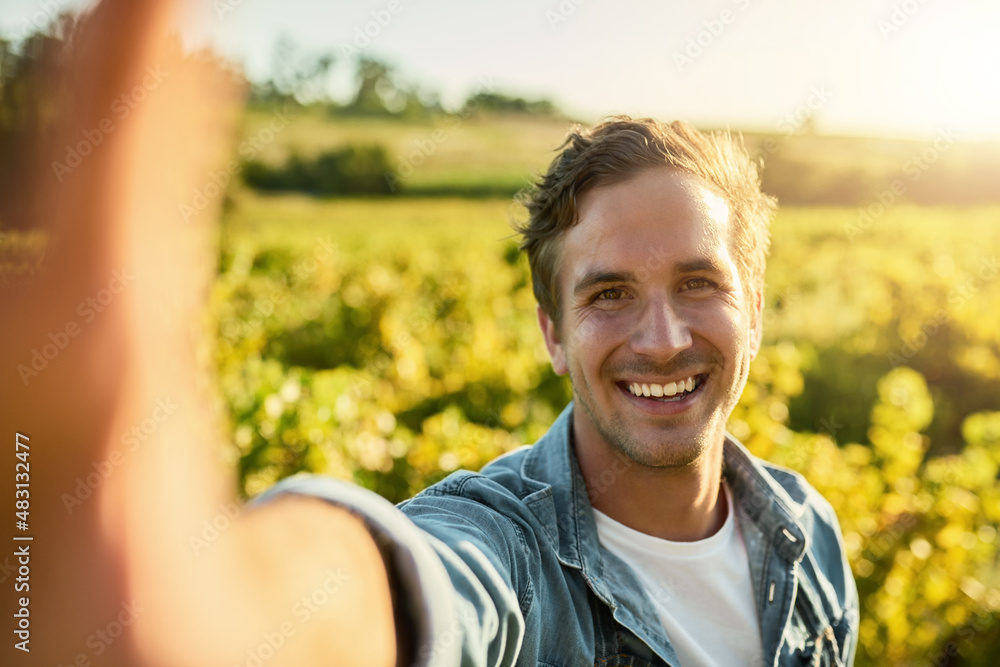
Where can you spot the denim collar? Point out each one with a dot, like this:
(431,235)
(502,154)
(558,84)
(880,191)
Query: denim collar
(562,504)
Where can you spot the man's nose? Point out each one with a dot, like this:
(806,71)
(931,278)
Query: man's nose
(662,331)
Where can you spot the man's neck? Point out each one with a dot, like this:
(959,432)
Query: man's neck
(681,504)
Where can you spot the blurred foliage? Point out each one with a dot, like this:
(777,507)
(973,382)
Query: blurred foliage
(381,92)
(348,170)
(502,103)
(392,365)
(296,76)
(920,532)
(916,287)
(33,101)
(393,342)
(42,134)
(21,255)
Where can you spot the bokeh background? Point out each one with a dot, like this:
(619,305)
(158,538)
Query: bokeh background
(374,319)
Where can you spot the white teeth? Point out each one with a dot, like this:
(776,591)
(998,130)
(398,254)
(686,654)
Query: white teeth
(665,390)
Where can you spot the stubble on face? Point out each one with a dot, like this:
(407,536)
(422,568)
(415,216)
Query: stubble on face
(666,453)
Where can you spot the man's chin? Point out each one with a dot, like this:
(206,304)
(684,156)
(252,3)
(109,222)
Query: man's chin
(672,448)
(656,441)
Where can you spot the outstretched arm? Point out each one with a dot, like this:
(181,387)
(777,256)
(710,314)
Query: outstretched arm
(113,575)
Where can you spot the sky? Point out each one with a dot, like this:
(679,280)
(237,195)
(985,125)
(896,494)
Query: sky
(911,68)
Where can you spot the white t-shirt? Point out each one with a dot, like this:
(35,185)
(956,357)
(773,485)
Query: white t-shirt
(701,590)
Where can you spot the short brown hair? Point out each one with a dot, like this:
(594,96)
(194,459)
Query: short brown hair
(619,148)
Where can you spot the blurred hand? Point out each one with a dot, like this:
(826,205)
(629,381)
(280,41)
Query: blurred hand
(124,438)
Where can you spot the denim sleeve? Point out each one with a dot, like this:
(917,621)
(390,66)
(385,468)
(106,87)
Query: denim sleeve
(843,579)
(832,569)
(453,567)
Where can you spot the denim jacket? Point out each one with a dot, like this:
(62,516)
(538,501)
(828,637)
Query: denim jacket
(504,566)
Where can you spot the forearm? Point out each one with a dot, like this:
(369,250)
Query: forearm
(296,577)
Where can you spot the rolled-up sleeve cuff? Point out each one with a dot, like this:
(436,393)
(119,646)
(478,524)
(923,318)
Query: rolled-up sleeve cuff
(421,578)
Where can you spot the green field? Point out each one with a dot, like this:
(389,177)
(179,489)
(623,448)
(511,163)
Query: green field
(452,152)
(495,154)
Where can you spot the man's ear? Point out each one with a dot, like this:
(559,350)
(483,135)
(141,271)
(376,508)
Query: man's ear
(551,333)
(757,322)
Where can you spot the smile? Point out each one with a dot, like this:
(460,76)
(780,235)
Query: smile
(671,390)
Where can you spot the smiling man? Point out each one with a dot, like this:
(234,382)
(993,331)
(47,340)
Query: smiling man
(637,531)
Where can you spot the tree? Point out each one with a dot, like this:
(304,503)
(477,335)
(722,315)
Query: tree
(380,92)
(296,75)
(501,103)
(33,92)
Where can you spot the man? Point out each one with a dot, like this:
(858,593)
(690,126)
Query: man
(636,531)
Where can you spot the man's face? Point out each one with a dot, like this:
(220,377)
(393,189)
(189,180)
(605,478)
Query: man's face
(656,332)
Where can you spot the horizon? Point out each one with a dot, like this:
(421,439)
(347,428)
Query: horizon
(902,69)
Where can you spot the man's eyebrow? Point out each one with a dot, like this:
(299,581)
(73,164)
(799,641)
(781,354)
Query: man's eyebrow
(701,264)
(600,277)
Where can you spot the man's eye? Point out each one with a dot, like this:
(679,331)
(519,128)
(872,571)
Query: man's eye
(698,283)
(610,294)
